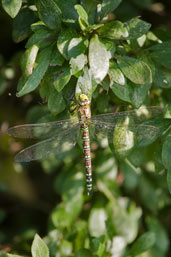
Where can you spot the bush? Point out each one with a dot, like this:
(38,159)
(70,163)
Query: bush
(104,50)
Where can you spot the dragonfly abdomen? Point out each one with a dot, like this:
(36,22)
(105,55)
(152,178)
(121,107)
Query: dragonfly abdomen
(87,157)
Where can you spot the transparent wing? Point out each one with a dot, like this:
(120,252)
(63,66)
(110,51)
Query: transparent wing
(138,116)
(42,130)
(53,146)
(144,134)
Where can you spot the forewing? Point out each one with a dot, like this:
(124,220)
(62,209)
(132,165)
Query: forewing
(42,130)
(53,146)
(138,116)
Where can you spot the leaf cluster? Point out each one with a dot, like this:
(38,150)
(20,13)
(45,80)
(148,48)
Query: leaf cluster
(72,47)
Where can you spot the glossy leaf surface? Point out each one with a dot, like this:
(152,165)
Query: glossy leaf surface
(98,59)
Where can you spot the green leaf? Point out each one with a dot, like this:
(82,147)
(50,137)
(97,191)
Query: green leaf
(57,58)
(162,78)
(62,79)
(56,103)
(49,13)
(65,248)
(138,93)
(162,238)
(83,253)
(98,246)
(124,219)
(136,28)
(38,26)
(39,248)
(38,73)
(143,243)
(21,24)
(80,228)
(166,152)
(9,255)
(159,125)
(135,70)
(97,216)
(116,74)
(123,92)
(108,6)
(69,14)
(64,39)
(110,46)
(134,94)
(83,17)
(41,37)
(161,53)
(113,30)
(78,63)
(85,84)
(28,60)
(169,180)
(66,212)
(90,7)
(98,59)
(77,46)
(124,139)
(12,7)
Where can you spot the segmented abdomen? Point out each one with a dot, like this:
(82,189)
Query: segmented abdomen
(87,157)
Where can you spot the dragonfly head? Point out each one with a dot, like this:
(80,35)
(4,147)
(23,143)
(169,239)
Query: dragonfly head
(83,100)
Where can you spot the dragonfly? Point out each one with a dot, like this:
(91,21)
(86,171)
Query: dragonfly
(60,136)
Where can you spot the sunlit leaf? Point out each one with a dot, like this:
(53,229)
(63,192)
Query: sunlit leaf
(12,7)
(136,28)
(97,216)
(78,63)
(85,83)
(77,46)
(28,60)
(39,248)
(113,30)
(124,139)
(64,39)
(83,17)
(116,74)
(98,59)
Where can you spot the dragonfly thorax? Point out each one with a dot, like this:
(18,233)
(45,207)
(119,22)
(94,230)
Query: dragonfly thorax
(83,100)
